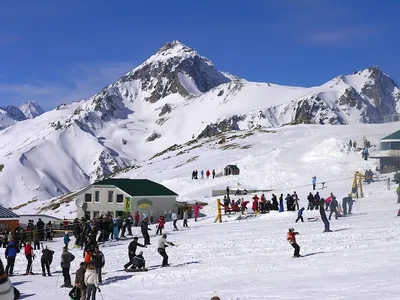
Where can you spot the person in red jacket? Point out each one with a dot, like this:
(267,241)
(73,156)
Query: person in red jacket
(208,173)
(254,205)
(29,256)
(161,223)
(291,238)
(137,218)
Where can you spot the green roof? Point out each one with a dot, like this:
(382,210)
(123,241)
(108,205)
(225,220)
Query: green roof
(393,136)
(138,187)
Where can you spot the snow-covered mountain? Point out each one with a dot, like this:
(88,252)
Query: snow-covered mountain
(174,98)
(10,115)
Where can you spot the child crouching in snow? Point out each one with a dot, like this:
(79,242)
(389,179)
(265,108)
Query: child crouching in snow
(291,238)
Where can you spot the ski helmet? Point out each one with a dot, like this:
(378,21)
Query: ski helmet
(164,236)
(291,229)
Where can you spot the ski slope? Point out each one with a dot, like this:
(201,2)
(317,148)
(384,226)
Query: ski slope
(251,259)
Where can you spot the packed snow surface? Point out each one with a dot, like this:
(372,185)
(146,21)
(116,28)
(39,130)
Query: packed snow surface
(251,259)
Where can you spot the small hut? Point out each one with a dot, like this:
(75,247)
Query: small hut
(8,219)
(231,170)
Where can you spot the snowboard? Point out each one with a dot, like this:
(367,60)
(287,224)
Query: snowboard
(136,270)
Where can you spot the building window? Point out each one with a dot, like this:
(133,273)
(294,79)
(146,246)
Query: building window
(119,213)
(120,198)
(88,197)
(110,196)
(95,214)
(97,196)
(87,215)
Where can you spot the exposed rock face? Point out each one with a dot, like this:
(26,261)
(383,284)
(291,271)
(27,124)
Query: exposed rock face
(223,126)
(165,109)
(153,137)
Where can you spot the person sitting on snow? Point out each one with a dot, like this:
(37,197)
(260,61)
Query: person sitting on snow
(138,261)
(291,238)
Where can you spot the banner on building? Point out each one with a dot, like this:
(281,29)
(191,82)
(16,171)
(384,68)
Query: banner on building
(127,205)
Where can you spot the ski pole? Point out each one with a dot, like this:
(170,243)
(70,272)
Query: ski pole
(101,295)
(58,276)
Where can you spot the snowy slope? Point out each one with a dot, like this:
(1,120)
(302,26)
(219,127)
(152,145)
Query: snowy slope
(251,259)
(175,97)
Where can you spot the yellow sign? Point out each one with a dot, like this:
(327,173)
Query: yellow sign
(144,205)
(127,205)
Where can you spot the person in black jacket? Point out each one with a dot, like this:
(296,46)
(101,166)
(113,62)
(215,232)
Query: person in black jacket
(46,260)
(144,227)
(98,261)
(323,215)
(138,261)
(132,250)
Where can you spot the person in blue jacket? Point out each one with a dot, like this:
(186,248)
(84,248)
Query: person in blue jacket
(11,252)
(314,182)
(300,215)
(66,239)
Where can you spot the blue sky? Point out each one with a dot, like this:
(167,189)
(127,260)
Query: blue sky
(60,51)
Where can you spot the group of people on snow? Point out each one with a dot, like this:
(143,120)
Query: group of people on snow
(206,174)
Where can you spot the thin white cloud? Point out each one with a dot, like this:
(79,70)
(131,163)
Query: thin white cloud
(339,36)
(81,81)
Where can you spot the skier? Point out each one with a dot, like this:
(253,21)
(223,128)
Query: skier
(66,259)
(162,244)
(323,215)
(333,208)
(80,282)
(144,227)
(314,182)
(66,239)
(174,217)
(300,215)
(98,261)
(160,226)
(185,218)
(6,287)
(291,238)
(202,174)
(196,209)
(213,173)
(11,252)
(29,257)
(46,260)
(91,282)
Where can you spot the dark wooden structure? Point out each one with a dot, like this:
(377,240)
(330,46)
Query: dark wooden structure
(231,170)
(8,219)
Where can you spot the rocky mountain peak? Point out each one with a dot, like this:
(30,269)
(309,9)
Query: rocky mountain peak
(31,109)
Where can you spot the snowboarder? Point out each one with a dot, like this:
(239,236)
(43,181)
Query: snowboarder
(300,215)
(160,225)
(46,260)
(323,215)
(29,257)
(291,238)
(314,182)
(80,282)
(98,261)
(144,228)
(11,252)
(91,282)
(138,262)
(132,250)
(162,244)
(6,287)
(66,259)
(174,217)
(196,209)
(66,239)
